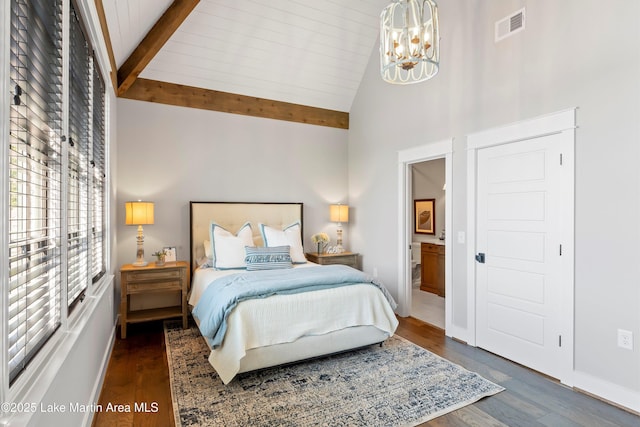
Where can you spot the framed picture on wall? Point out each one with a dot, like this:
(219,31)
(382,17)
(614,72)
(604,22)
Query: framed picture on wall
(425,216)
(171,253)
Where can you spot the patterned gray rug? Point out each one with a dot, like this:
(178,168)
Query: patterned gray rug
(398,384)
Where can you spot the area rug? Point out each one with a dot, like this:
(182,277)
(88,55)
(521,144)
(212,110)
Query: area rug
(396,384)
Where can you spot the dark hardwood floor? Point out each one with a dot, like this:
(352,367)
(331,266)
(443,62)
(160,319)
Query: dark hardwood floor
(138,373)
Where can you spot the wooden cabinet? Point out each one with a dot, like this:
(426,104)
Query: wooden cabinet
(171,277)
(432,268)
(346,258)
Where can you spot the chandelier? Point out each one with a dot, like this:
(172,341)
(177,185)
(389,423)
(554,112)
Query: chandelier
(409,42)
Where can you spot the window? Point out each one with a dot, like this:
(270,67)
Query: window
(56,222)
(34,178)
(98,223)
(80,79)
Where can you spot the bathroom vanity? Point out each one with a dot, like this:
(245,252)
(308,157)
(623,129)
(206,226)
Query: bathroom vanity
(432,268)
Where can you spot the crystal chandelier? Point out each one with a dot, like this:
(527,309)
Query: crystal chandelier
(409,42)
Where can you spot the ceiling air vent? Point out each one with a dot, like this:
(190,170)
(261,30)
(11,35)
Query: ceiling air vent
(510,25)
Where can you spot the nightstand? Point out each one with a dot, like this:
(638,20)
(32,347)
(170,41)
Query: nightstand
(170,277)
(346,258)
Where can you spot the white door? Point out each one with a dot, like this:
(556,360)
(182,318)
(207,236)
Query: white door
(523,198)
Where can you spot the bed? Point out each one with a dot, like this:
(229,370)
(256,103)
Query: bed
(283,327)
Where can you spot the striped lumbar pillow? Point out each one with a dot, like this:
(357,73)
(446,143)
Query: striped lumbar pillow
(270,258)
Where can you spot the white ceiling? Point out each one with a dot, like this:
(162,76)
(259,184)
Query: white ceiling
(306,52)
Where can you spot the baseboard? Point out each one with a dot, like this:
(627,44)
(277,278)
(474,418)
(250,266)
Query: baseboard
(612,393)
(459,334)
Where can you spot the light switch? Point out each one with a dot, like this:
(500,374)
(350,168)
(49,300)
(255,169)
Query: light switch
(461,236)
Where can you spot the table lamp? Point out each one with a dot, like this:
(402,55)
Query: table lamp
(339,214)
(139,213)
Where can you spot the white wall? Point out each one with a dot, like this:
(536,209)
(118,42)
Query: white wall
(573,53)
(173,155)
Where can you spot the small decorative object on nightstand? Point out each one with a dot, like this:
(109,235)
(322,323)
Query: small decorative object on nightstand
(321,240)
(161,255)
(135,280)
(346,258)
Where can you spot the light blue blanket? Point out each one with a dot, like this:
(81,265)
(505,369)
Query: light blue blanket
(226,292)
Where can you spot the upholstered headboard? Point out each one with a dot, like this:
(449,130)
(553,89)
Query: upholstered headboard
(232,215)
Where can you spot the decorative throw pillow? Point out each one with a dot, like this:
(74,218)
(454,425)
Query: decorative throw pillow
(289,236)
(228,249)
(271,258)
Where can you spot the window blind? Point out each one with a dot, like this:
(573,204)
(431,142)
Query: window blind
(80,79)
(98,224)
(35,130)
(41,202)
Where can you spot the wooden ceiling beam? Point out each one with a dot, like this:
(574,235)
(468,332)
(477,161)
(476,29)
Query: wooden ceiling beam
(206,99)
(129,86)
(168,23)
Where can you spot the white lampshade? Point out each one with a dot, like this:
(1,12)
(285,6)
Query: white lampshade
(139,213)
(339,213)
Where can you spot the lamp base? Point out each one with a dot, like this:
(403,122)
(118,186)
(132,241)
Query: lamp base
(140,262)
(339,248)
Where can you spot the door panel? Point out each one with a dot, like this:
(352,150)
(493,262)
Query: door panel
(519,288)
(517,324)
(517,284)
(517,245)
(517,206)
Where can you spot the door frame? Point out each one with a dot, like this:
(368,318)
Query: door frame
(406,158)
(562,122)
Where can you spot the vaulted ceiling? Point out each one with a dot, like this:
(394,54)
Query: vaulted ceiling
(299,60)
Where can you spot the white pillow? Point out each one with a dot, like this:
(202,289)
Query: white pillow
(289,236)
(227,249)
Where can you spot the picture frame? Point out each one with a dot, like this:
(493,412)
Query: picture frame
(424,216)
(171,254)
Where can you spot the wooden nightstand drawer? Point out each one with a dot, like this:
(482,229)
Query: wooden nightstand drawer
(341,260)
(163,286)
(345,258)
(152,275)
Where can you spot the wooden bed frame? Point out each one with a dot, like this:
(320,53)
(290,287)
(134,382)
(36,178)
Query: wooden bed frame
(232,216)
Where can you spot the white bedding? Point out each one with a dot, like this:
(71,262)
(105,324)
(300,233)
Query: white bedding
(203,277)
(267,322)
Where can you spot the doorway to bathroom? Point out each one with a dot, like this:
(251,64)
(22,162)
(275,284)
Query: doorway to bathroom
(427,237)
(428,193)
